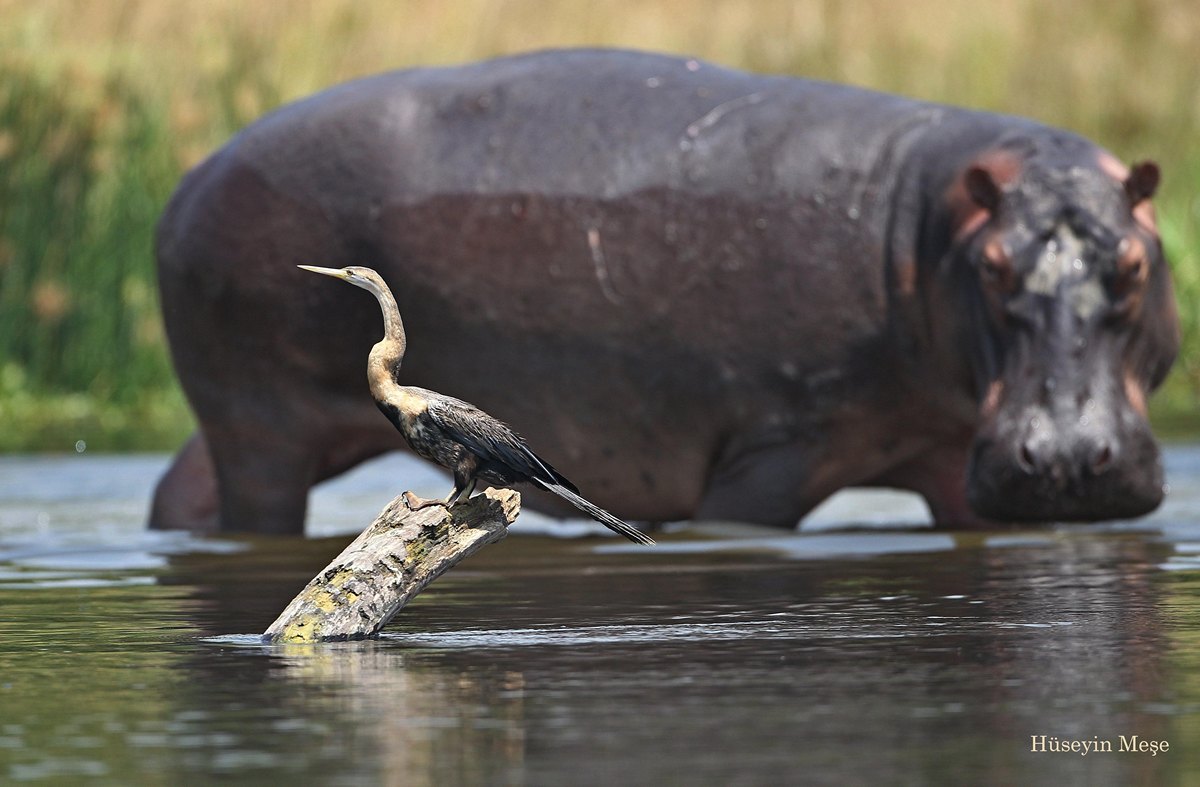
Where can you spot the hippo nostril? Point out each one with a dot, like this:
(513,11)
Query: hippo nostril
(1026,459)
(1102,457)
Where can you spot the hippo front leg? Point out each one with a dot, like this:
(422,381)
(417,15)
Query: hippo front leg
(759,485)
(939,475)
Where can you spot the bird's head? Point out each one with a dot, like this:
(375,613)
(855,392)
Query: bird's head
(372,282)
(357,275)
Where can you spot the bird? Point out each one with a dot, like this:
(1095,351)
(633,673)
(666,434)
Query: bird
(460,437)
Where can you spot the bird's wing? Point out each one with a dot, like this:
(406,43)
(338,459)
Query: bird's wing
(491,439)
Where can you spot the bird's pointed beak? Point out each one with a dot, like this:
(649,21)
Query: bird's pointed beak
(337,273)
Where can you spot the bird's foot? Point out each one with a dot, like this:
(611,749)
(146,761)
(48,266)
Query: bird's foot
(417,503)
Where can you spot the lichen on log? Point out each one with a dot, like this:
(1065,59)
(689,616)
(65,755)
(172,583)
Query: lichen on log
(389,563)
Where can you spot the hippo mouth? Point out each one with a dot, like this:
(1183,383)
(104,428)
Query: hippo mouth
(1033,467)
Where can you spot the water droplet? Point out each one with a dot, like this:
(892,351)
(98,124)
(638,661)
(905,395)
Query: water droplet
(693,65)
(653,82)
(1084,420)
(819,198)
(761,223)
(1034,423)
(80,446)
(43,519)
(852,213)
(1077,264)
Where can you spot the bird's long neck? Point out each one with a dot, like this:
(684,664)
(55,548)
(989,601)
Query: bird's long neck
(383,363)
(393,326)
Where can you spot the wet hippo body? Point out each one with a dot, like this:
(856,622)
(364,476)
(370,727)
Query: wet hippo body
(700,293)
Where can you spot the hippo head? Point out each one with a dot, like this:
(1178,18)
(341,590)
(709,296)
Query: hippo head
(1070,323)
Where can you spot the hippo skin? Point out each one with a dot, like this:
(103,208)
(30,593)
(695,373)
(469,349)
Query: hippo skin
(700,293)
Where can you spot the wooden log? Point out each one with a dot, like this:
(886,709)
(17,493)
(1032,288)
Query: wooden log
(389,563)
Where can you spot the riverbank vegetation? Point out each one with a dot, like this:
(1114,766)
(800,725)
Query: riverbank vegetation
(104,105)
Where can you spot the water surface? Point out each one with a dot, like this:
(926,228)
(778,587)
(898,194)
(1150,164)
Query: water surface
(864,649)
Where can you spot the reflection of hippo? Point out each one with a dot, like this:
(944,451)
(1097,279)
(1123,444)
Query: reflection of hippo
(700,293)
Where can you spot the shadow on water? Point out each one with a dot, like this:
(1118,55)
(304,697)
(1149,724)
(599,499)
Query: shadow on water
(835,658)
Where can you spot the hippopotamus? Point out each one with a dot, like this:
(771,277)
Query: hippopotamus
(701,293)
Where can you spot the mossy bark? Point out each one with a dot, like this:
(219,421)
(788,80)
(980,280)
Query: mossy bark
(392,561)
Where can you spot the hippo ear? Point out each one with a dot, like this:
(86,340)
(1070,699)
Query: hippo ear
(983,188)
(1142,181)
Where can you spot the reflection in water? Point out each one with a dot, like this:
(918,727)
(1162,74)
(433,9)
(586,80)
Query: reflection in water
(839,658)
(531,666)
(421,725)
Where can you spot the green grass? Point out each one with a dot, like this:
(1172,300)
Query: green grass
(80,187)
(154,419)
(104,105)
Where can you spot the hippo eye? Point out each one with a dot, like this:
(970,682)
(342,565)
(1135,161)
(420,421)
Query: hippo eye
(996,266)
(1133,267)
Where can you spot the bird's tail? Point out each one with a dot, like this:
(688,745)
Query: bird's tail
(597,513)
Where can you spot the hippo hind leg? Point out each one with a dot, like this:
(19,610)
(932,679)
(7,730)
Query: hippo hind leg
(265,478)
(248,482)
(186,496)
(259,481)
(264,481)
